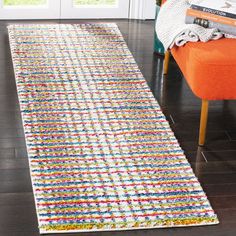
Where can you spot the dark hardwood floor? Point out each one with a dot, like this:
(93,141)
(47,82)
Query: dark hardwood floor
(214,165)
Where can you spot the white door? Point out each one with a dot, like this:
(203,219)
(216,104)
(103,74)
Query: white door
(88,9)
(64,9)
(29,9)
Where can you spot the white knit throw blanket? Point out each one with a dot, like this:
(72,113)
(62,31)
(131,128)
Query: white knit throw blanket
(172,30)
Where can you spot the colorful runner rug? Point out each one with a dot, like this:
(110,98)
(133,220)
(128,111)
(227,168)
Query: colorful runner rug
(102,155)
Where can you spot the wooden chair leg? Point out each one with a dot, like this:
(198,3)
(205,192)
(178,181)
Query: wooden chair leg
(203,122)
(166,62)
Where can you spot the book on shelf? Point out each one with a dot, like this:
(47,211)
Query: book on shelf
(213,11)
(226,8)
(224,28)
(209,14)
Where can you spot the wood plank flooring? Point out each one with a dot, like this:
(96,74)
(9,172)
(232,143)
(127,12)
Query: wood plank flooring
(214,165)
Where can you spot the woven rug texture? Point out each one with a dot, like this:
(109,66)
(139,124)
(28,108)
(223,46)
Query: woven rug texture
(102,155)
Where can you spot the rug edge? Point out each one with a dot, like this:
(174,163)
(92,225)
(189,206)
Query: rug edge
(127,229)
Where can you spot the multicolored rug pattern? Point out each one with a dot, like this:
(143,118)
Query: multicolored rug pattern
(102,155)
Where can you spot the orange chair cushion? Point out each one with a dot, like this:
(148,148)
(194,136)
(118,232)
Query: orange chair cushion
(209,68)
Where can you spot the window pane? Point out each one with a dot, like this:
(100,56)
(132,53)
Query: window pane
(95,2)
(24,2)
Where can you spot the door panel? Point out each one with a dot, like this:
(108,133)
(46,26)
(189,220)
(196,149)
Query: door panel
(88,9)
(29,9)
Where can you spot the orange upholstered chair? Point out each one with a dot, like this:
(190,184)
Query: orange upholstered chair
(210,71)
